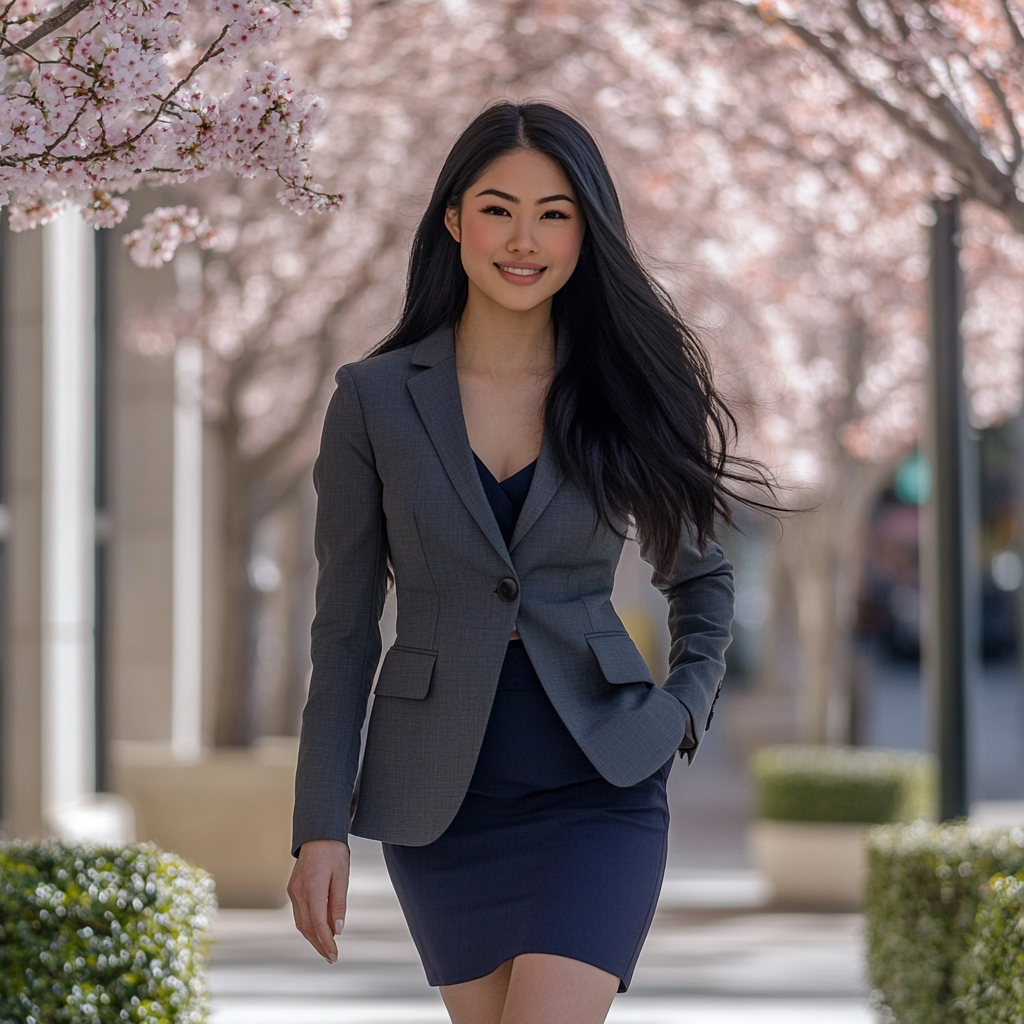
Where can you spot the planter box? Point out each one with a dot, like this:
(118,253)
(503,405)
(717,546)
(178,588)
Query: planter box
(810,864)
(229,812)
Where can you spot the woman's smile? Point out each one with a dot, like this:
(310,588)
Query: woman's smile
(521,273)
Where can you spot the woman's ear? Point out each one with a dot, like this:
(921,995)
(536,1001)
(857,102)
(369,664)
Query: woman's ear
(451,222)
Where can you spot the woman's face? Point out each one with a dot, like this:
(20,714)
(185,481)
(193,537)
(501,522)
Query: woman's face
(519,230)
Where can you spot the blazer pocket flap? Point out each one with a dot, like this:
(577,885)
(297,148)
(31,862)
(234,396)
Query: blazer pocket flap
(406,672)
(619,659)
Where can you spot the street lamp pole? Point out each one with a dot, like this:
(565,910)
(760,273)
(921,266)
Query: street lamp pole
(951,602)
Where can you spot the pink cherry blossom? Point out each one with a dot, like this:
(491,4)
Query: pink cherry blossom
(164,230)
(785,213)
(101,96)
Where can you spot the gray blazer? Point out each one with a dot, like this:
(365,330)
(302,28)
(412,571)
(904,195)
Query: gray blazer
(396,478)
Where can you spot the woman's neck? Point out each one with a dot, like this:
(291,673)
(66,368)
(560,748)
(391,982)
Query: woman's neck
(492,340)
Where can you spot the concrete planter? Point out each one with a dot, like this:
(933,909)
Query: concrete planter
(811,864)
(229,812)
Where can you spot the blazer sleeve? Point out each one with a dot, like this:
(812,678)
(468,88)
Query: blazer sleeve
(699,591)
(351,550)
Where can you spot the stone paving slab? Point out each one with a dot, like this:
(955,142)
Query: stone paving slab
(625,1010)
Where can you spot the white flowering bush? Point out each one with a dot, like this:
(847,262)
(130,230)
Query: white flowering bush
(992,978)
(97,935)
(925,886)
(100,96)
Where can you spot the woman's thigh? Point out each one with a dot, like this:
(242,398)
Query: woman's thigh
(548,989)
(481,1001)
(534,988)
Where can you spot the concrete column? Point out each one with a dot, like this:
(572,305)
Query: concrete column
(68,564)
(71,808)
(22,380)
(187,672)
(187,663)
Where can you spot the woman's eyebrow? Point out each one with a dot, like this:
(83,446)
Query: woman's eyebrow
(500,195)
(514,199)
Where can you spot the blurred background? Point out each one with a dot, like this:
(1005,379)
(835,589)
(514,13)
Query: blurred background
(783,206)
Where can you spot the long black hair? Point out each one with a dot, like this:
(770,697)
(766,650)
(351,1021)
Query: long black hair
(632,414)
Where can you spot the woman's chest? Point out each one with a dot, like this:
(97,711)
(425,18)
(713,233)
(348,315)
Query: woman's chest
(504,422)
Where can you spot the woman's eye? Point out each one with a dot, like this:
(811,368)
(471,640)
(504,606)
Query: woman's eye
(498,211)
(554,215)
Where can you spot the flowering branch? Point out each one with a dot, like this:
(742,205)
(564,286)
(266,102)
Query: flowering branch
(949,74)
(48,26)
(111,98)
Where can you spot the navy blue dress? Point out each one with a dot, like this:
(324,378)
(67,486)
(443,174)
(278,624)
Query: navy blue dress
(544,855)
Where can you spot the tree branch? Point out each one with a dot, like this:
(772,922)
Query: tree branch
(266,462)
(1014,25)
(48,26)
(211,52)
(126,144)
(1003,101)
(963,150)
(4,18)
(904,118)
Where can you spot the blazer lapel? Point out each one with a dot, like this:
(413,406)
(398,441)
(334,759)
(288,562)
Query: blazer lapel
(435,391)
(548,475)
(547,478)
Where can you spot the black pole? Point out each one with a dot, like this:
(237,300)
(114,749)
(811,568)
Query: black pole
(4,656)
(950,634)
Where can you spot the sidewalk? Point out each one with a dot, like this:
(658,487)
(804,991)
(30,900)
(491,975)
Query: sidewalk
(714,956)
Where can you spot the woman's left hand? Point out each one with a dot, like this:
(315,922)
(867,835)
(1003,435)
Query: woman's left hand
(318,890)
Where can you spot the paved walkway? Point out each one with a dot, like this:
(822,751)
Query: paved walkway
(715,955)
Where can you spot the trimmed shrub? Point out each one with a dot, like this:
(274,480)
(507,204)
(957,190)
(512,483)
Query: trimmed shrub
(925,884)
(97,935)
(843,784)
(992,972)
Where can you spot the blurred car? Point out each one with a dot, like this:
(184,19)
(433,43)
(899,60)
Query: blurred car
(892,607)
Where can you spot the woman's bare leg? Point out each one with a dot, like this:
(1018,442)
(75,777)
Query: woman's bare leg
(534,988)
(548,989)
(480,1001)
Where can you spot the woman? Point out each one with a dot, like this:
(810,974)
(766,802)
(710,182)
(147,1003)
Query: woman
(539,393)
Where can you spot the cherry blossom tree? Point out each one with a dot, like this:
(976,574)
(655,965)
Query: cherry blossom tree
(782,210)
(802,209)
(286,299)
(816,227)
(950,75)
(100,96)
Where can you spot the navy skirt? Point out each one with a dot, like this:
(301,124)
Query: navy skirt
(543,856)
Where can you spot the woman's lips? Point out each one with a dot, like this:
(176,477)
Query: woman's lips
(519,274)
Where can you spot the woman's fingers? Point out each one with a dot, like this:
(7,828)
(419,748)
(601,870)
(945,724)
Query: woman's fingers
(337,902)
(309,906)
(318,890)
(302,904)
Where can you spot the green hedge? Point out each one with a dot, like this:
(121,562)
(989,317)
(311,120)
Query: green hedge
(992,974)
(843,784)
(91,935)
(925,885)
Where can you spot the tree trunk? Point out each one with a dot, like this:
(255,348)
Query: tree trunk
(812,570)
(236,712)
(824,549)
(773,674)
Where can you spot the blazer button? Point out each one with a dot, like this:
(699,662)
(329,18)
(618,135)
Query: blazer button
(508,589)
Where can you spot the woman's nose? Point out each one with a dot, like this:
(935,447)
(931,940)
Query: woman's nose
(522,240)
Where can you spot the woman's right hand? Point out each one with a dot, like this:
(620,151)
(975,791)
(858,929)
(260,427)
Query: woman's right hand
(318,890)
